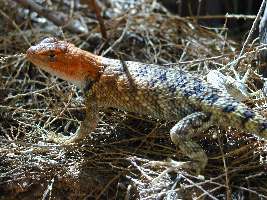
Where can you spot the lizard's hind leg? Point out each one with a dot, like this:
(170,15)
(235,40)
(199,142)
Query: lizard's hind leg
(181,135)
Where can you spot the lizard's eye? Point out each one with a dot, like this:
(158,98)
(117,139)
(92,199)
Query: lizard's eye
(52,56)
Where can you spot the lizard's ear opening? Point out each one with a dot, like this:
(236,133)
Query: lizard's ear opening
(52,56)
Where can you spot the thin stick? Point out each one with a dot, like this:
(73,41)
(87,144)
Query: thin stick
(257,19)
(100,19)
(119,39)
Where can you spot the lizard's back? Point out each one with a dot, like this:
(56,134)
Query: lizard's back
(171,94)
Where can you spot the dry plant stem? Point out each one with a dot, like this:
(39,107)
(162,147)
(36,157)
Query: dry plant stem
(29,144)
(211,191)
(227,16)
(141,170)
(4,58)
(227,186)
(119,39)
(199,187)
(127,196)
(29,93)
(48,190)
(198,9)
(107,185)
(211,180)
(71,8)
(263,24)
(263,40)
(16,26)
(251,191)
(257,19)
(198,60)
(99,18)
(61,113)
(58,19)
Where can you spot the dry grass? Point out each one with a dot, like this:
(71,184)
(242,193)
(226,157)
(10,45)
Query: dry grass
(127,156)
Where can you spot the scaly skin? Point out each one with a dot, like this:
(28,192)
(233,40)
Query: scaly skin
(163,93)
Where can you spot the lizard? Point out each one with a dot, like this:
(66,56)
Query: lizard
(161,92)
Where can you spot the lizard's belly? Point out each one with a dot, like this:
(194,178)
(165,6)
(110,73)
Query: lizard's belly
(145,103)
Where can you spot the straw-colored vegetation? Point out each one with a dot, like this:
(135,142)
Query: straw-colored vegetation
(128,156)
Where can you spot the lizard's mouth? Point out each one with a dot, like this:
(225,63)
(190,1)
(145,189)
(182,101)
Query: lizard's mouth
(35,58)
(30,53)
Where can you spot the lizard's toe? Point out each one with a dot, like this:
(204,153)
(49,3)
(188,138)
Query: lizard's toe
(59,138)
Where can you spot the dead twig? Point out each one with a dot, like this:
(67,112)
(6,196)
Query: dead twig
(58,18)
(99,18)
(255,22)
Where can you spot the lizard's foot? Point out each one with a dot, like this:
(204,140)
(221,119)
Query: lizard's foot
(59,138)
(66,140)
(173,166)
(196,153)
(193,166)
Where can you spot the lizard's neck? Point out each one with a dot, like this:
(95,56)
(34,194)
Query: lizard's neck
(84,67)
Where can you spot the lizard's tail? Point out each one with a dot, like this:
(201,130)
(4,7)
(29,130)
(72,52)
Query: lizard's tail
(228,112)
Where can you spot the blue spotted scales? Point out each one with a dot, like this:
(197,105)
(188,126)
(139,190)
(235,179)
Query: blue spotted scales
(160,92)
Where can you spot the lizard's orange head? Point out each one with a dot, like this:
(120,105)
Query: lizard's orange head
(64,60)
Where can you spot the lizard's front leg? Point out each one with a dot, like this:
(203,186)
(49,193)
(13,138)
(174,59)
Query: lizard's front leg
(181,135)
(86,127)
